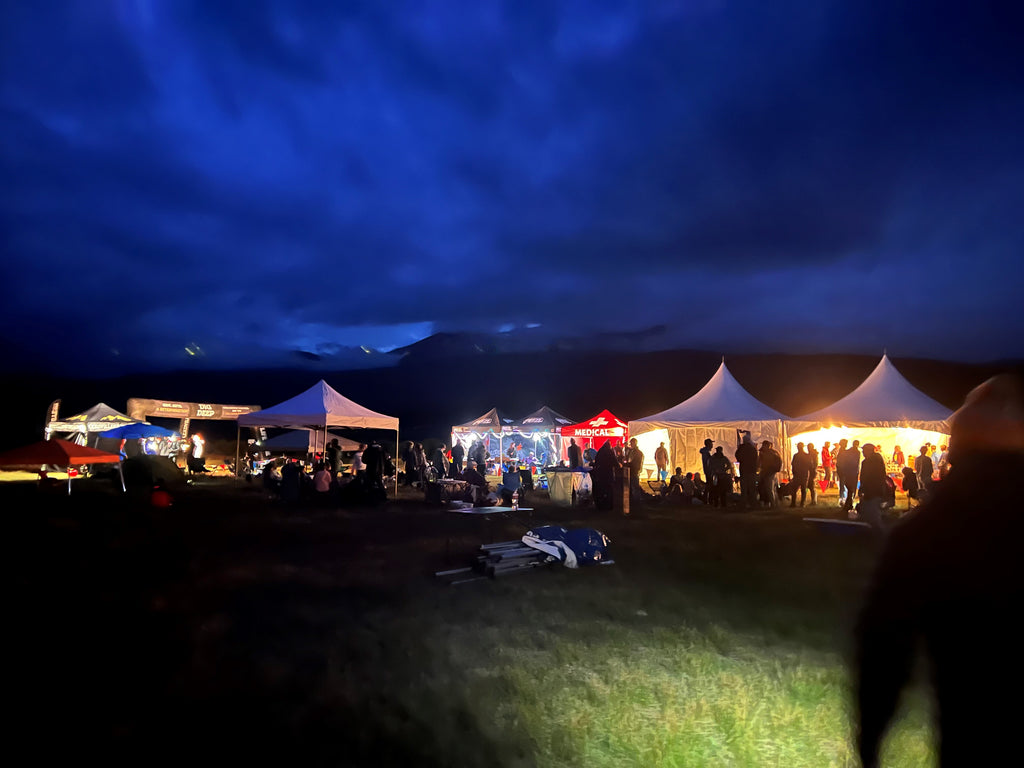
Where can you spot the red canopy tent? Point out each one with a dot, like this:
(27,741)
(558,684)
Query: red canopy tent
(61,453)
(603,428)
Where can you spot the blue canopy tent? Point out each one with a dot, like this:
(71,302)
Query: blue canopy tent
(137,430)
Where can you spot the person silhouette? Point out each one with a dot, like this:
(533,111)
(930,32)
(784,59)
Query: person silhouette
(950,576)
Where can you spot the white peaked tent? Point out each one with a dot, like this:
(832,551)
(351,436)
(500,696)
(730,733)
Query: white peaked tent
(885,409)
(720,410)
(319,407)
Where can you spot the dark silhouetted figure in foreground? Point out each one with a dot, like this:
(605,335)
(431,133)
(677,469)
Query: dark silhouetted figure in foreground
(606,464)
(458,454)
(951,577)
(575,455)
(769,464)
(746,456)
(923,469)
(874,488)
(635,460)
(721,479)
(801,468)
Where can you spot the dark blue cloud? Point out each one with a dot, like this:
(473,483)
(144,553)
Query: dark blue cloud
(264,176)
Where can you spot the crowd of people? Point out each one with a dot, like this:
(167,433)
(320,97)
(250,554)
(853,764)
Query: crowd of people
(323,480)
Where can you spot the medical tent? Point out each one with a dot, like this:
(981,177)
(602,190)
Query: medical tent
(603,428)
(722,410)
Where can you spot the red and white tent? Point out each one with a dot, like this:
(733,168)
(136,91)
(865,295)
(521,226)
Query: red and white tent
(60,453)
(603,428)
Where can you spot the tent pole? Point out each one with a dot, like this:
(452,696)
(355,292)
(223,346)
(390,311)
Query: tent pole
(69,479)
(120,471)
(238,440)
(396,463)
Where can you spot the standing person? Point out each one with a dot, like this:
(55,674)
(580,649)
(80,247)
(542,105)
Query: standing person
(421,463)
(842,474)
(898,458)
(923,469)
(358,467)
(333,457)
(943,466)
(575,454)
(606,463)
(458,455)
(409,457)
(769,464)
(801,468)
(705,459)
(721,479)
(440,462)
(874,487)
(635,460)
(812,483)
(948,583)
(826,464)
(589,454)
(661,460)
(746,456)
(478,453)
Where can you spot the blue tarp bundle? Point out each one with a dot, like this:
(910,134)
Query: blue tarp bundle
(572,547)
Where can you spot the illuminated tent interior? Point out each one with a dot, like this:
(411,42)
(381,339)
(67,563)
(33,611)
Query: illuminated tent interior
(539,433)
(319,407)
(886,410)
(489,428)
(721,410)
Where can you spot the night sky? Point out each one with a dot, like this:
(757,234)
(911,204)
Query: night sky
(229,184)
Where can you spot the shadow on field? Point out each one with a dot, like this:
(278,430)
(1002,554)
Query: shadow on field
(223,629)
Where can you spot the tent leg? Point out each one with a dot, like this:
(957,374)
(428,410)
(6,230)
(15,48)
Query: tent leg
(238,440)
(120,471)
(69,479)
(396,463)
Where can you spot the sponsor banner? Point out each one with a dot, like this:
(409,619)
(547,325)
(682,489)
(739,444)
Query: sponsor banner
(53,411)
(606,432)
(141,409)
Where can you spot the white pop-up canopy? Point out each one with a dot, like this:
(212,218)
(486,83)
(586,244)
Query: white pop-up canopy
(319,407)
(721,410)
(885,409)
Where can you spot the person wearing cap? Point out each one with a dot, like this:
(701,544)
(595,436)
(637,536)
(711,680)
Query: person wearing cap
(873,487)
(949,581)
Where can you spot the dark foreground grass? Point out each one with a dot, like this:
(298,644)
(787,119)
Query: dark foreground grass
(229,629)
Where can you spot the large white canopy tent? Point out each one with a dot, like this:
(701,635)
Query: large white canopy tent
(885,409)
(721,410)
(319,407)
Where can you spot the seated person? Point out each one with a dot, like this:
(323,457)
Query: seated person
(674,484)
(478,488)
(681,486)
(472,476)
(271,478)
(322,479)
(700,486)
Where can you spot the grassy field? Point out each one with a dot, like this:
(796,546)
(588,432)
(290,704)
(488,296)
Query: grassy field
(229,629)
